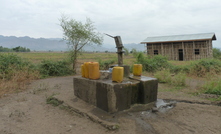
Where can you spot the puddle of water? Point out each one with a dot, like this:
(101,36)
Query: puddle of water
(142,78)
(164,106)
(160,106)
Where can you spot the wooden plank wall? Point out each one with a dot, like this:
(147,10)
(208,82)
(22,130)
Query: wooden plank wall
(171,50)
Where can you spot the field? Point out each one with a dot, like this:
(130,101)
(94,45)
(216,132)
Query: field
(24,95)
(37,57)
(163,75)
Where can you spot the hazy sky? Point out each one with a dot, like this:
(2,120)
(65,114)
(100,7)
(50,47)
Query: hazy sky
(133,20)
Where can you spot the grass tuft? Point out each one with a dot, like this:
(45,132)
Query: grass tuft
(53,101)
(212,87)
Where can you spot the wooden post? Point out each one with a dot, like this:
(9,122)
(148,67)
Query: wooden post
(162,50)
(183,51)
(172,52)
(152,51)
(194,55)
(207,52)
(147,48)
(210,49)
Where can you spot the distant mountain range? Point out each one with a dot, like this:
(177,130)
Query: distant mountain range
(57,44)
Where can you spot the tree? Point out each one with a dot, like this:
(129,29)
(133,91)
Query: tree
(79,35)
(216,53)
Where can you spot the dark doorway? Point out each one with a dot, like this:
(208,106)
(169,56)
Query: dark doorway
(180,54)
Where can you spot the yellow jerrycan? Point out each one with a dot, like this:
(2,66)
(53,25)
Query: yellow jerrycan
(137,69)
(86,69)
(82,70)
(118,74)
(94,72)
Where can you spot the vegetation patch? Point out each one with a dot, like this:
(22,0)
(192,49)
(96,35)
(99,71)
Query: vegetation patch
(16,49)
(203,67)
(55,68)
(212,87)
(164,76)
(153,64)
(104,65)
(15,73)
(53,101)
(216,53)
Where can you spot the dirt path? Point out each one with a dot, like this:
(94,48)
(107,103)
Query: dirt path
(28,113)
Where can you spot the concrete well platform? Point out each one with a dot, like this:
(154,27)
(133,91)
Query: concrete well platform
(113,97)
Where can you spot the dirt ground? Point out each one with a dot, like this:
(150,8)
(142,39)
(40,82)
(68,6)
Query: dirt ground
(28,113)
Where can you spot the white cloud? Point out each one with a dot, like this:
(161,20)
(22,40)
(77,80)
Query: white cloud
(133,20)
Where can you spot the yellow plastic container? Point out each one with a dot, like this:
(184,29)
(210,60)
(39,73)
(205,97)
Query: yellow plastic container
(94,72)
(137,69)
(82,71)
(86,69)
(117,74)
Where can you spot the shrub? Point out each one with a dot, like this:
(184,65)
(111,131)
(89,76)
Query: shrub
(15,73)
(134,52)
(202,67)
(10,64)
(55,68)
(104,65)
(163,76)
(216,53)
(178,79)
(154,64)
(213,87)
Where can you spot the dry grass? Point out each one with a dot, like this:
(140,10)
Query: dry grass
(37,57)
(17,82)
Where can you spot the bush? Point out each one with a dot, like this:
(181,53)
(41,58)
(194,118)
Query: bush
(10,63)
(15,73)
(104,65)
(213,87)
(178,79)
(154,64)
(164,76)
(134,52)
(216,53)
(202,67)
(55,68)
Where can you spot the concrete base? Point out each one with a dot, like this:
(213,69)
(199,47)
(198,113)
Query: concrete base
(113,97)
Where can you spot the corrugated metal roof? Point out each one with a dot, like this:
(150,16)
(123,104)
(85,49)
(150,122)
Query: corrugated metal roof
(175,38)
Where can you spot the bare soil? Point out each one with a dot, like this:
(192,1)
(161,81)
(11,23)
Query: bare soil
(28,113)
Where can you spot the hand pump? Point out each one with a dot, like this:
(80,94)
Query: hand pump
(119,46)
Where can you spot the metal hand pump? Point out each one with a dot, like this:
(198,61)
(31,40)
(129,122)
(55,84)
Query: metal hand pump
(119,46)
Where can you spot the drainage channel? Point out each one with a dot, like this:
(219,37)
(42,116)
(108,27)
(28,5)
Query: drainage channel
(194,102)
(164,105)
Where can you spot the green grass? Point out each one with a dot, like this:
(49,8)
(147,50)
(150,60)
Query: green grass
(164,76)
(171,72)
(37,57)
(53,101)
(215,99)
(212,87)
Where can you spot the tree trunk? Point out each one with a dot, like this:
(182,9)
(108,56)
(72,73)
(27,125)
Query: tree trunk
(74,61)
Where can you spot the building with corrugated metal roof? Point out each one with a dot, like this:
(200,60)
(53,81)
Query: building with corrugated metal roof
(181,47)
